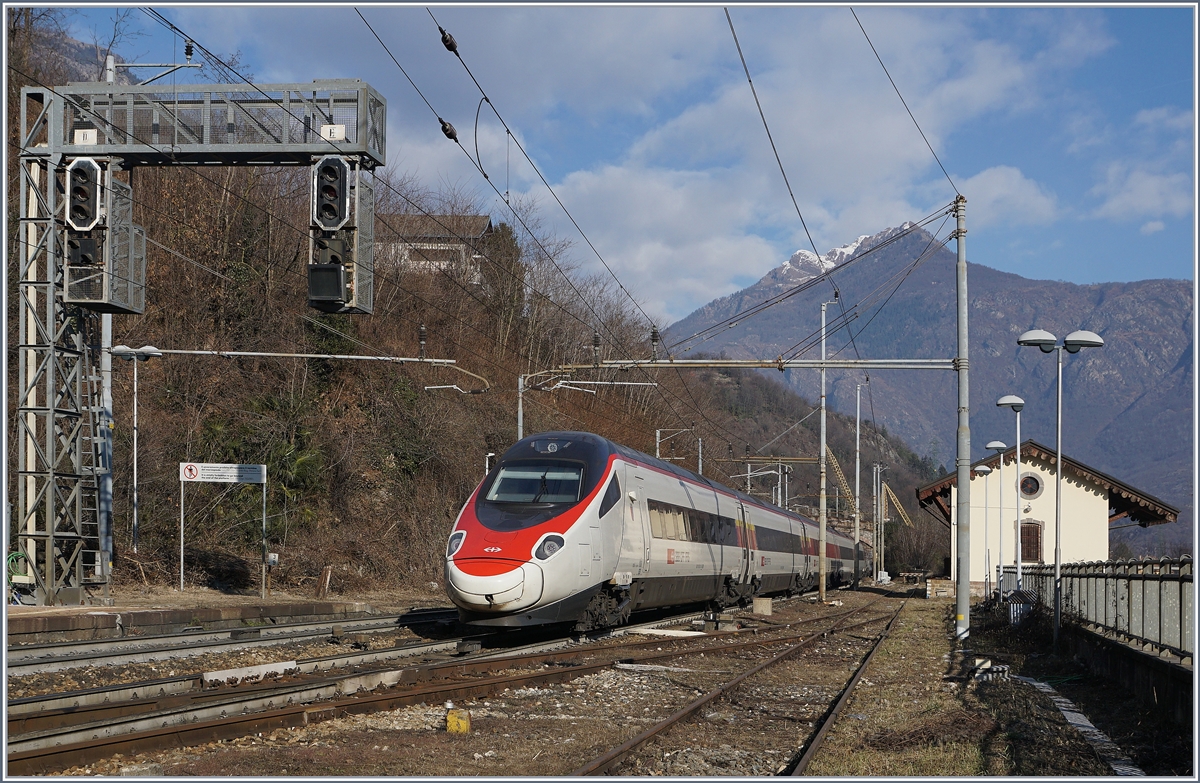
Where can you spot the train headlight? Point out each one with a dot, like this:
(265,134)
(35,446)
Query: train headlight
(456,540)
(549,547)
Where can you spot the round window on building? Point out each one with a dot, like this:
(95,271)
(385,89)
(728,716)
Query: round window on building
(1031,486)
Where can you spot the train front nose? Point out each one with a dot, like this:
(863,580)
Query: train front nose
(492,585)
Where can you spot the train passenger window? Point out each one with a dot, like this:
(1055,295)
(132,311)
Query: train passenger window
(656,523)
(668,522)
(611,496)
(681,527)
(541,482)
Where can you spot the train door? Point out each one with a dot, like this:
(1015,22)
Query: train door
(743,544)
(753,556)
(635,544)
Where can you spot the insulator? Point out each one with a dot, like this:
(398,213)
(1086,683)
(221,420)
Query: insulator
(421,335)
(448,129)
(188,50)
(448,41)
(596,348)
(654,343)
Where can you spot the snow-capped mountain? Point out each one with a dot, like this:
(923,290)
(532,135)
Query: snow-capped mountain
(1132,402)
(805,264)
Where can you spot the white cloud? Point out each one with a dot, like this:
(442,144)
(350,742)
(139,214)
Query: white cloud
(1153,227)
(643,120)
(1133,191)
(1003,195)
(1170,118)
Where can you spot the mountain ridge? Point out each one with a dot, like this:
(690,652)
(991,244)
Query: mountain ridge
(1127,407)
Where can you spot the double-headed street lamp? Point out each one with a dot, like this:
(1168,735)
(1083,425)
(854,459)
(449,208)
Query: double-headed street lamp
(1073,343)
(137,356)
(1016,403)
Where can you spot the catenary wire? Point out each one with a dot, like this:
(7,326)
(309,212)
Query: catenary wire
(901,97)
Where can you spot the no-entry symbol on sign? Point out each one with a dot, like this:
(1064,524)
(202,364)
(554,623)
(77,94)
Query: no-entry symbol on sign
(190,472)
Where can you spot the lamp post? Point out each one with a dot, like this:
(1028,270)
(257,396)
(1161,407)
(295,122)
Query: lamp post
(999,447)
(985,471)
(857,499)
(1072,343)
(1016,403)
(137,356)
(822,568)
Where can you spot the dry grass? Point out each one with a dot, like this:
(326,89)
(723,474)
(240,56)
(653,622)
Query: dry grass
(903,718)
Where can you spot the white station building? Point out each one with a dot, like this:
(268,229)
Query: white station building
(1092,501)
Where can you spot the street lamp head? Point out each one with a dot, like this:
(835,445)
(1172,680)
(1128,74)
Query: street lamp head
(996,446)
(1011,401)
(1039,337)
(136,354)
(983,470)
(1082,339)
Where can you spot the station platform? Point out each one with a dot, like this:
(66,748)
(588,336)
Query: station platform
(44,624)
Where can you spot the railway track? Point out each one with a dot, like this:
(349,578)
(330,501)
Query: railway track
(791,647)
(55,733)
(60,656)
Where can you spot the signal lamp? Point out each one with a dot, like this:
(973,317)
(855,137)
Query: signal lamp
(83,183)
(331,193)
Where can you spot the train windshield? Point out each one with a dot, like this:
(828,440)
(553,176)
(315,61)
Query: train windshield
(541,481)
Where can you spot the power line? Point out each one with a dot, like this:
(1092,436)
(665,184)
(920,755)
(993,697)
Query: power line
(453,137)
(452,46)
(910,114)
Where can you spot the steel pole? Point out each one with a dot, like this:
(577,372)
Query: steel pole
(1000,554)
(264,538)
(520,406)
(135,455)
(987,552)
(962,589)
(1058,471)
(857,500)
(821,565)
(1018,505)
(105,487)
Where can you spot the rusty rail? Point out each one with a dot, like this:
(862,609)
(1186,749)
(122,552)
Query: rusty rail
(606,761)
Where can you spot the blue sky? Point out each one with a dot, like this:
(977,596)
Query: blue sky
(1070,130)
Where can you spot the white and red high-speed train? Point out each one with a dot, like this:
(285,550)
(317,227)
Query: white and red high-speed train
(572,527)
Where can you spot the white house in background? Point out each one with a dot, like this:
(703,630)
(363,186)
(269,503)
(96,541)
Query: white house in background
(1091,502)
(432,243)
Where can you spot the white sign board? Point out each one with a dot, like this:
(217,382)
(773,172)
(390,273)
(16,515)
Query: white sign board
(224,473)
(333,132)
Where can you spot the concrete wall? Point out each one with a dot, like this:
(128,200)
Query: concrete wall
(1161,682)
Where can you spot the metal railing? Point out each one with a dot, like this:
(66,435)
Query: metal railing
(1151,602)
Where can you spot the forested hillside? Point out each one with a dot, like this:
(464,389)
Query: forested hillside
(366,467)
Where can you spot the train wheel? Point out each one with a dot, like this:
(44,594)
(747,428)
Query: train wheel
(608,608)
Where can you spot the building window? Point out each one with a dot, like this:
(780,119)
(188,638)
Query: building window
(1031,542)
(1031,486)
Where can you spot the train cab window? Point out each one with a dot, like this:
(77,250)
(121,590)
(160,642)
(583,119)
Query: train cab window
(611,496)
(537,482)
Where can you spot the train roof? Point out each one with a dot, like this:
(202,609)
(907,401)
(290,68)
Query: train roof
(668,467)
